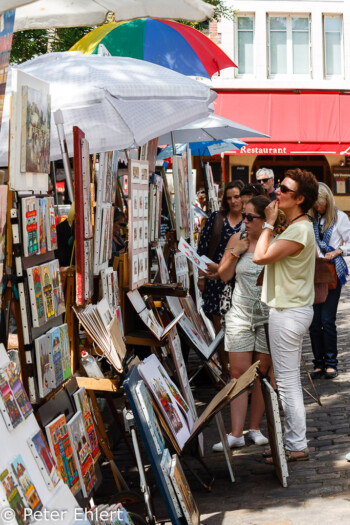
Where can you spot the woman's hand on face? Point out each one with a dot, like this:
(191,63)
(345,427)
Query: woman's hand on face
(271,212)
(241,246)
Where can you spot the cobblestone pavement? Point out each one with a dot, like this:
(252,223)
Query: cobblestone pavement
(318,490)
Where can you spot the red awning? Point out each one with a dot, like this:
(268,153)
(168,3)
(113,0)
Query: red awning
(309,123)
(291,148)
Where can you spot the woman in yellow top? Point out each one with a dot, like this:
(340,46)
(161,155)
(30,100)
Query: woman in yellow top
(288,289)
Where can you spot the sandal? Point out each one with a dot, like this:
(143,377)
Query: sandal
(290,458)
(304,455)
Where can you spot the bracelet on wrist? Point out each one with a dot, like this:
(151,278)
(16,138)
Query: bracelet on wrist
(234,255)
(201,277)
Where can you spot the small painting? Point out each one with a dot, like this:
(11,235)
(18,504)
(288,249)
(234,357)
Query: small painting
(35,133)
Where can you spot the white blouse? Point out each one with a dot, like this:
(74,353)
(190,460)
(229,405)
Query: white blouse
(340,233)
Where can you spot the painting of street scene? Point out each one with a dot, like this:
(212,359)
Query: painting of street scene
(35,133)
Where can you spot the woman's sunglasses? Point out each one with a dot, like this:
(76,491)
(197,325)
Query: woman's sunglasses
(284,189)
(251,217)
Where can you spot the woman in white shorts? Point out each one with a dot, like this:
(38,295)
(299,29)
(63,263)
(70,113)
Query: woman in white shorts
(245,323)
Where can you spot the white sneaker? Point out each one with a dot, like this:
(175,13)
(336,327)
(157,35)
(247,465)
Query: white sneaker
(233,442)
(257,437)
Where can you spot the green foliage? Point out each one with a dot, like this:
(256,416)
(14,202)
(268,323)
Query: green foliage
(28,44)
(221,11)
(31,43)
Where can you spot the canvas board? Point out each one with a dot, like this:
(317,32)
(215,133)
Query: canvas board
(28,165)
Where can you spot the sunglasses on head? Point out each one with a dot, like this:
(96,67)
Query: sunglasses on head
(251,217)
(264,180)
(284,189)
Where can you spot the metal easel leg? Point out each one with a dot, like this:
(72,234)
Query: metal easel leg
(130,426)
(195,454)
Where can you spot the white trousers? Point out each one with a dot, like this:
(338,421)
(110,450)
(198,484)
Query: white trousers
(286,331)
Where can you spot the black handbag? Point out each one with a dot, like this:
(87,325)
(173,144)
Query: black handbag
(226,297)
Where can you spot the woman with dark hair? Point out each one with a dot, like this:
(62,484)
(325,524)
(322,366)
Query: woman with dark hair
(288,289)
(220,226)
(245,323)
(251,190)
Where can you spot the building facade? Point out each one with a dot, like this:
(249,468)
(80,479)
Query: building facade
(293,84)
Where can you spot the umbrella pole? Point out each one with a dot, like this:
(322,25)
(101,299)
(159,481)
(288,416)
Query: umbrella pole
(173,142)
(223,168)
(64,150)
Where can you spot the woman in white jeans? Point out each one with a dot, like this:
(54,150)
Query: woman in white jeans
(288,289)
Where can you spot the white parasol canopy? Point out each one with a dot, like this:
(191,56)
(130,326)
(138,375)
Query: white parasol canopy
(118,102)
(44,14)
(211,127)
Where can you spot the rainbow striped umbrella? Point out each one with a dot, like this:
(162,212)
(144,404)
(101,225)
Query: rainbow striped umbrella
(163,42)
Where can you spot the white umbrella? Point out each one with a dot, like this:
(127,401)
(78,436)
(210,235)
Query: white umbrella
(118,102)
(211,127)
(44,14)
(7,5)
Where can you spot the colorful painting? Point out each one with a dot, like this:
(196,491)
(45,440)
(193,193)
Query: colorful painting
(65,349)
(30,221)
(55,356)
(43,457)
(43,218)
(58,296)
(82,404)
(61,449)
(150,416)
(14,497)
(35,135)
(26,484)
(9,409)
(47,289)
(82,453)
(18,389)
(43,365)
(51,232)
(5,51)
(179,421)
(36,296)
(183,492)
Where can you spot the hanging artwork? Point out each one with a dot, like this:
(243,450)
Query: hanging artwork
(6,34)
(82,453)
(30,222)
(82,403)
(26,484)
(36,296)
(35,133)
(43,457)
(14,497)
(61,449)
(47,289)
(43,365)
(138,223)
(30,128)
